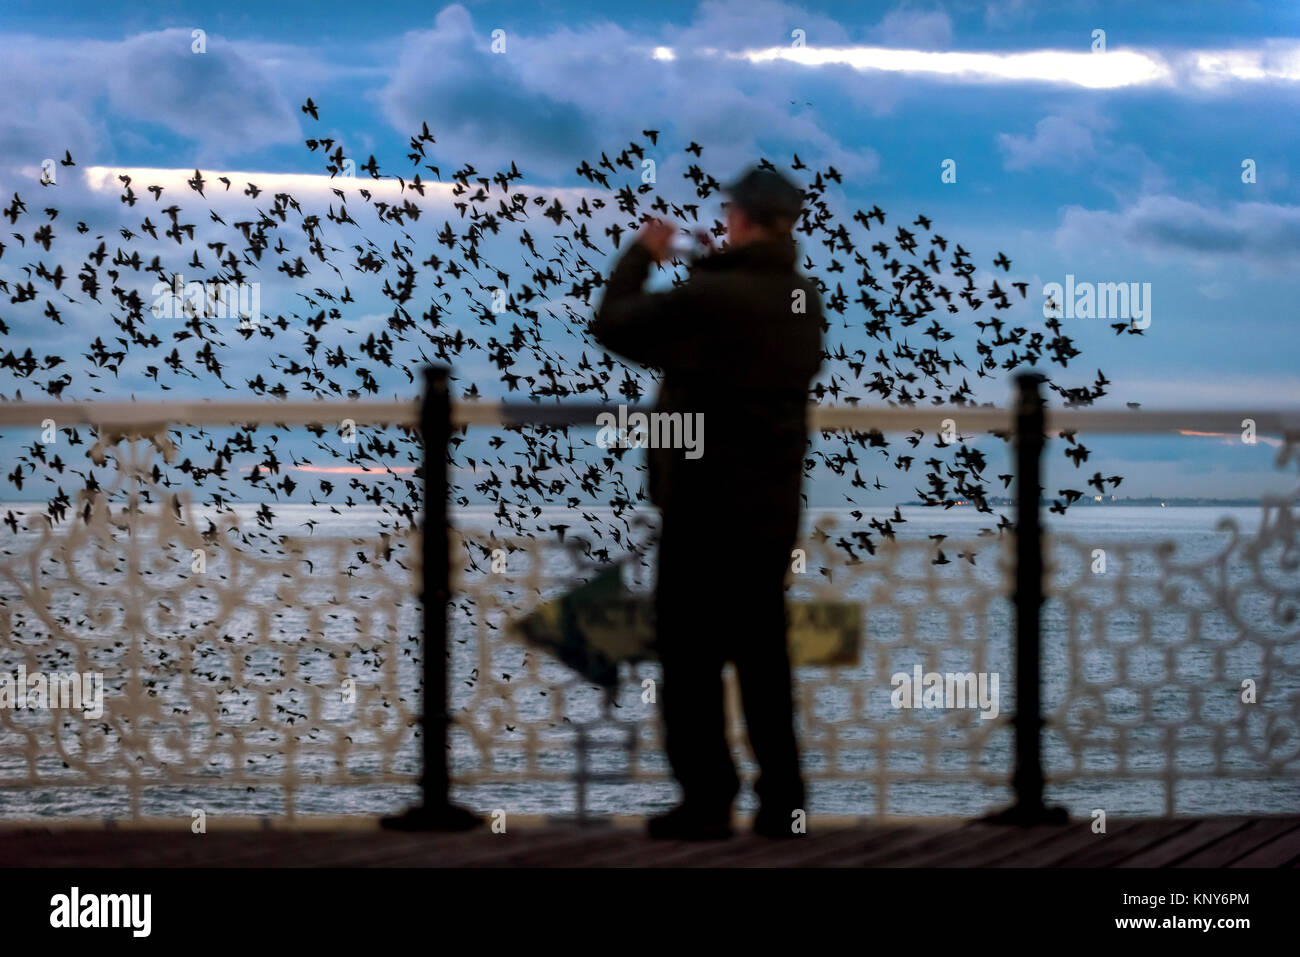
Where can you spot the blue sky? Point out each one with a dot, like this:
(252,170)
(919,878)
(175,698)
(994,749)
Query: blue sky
(1115,166)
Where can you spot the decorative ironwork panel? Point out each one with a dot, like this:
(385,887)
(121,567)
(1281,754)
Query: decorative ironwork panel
(1176,673)
(237,672)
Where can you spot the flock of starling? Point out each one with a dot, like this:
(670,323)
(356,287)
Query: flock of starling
(447,299)
(907,287)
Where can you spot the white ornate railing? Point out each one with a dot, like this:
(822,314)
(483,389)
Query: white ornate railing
(272,681)
(1181,673)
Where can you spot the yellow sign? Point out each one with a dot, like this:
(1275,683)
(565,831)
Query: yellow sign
(825,633)
(598,625)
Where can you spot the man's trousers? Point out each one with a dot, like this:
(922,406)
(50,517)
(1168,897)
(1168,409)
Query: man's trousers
(720,597)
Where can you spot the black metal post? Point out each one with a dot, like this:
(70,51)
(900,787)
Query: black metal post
(1028,778)
(437,813)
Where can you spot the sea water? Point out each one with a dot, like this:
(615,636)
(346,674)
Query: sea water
(1128,673)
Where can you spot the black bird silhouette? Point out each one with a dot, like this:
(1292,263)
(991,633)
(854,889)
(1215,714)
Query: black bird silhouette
(435,269)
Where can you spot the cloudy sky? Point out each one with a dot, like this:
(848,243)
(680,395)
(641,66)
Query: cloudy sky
(1160,151)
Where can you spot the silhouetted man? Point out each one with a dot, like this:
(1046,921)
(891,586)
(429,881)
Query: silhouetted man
(739,341)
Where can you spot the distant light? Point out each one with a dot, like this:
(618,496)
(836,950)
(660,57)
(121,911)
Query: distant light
(1117,68)
(104,179)
(664,53)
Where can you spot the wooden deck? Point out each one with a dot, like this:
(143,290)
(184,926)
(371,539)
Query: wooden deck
(1209,842)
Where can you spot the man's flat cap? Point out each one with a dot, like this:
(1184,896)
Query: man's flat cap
(765,194)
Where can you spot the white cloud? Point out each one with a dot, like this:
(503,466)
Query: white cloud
(70,93)
(1062,139)
(1000,14)
(913,28)
(539,99)
(1273,62)
(1262,234)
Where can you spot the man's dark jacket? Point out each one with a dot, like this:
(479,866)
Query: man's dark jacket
(739,341)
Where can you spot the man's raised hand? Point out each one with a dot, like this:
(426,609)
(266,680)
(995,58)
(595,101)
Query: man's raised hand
(657,238)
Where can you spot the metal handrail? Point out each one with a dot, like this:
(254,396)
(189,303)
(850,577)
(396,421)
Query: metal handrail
(967,419)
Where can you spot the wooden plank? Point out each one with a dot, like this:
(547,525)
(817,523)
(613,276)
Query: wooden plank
(522,849)
(878,854)
(1282,851)
(854,842)
(1018,845)
(207,850)
(964,844)
(472,848)
(1124,844)
(1059,845)
(766,852)
(52,847)
(541,848)
(1040,847)
(252,849)
(424,849)
(745,849)
(351,850)
(1236,841)
(645,852)
(89,848)
(214,849)
(743,845)
(707,853)
(624,847)
(750,850)
(27,848)
(1187,841)
(1239,843)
